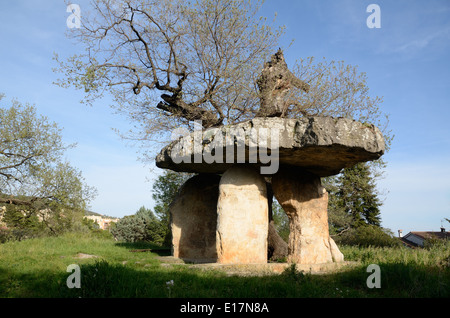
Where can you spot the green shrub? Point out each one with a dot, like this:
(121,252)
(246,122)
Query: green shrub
(5,235)
(434,242)
(367,235)
(130,229)
(156,232)
(143,226)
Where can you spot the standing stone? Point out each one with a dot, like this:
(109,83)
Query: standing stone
(194,219)
(242,217)
(305,201)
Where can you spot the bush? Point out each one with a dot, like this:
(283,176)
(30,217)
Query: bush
(130,229)
(143,226)
(16,234)
(5,235)
(156,232)
(367,235)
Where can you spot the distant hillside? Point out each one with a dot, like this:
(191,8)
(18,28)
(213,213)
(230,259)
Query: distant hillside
(87,213)
(90,213)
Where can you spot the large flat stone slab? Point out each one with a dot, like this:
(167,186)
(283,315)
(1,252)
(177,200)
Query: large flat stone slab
(320,145)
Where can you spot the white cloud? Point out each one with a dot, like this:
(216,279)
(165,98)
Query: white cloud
(423,41)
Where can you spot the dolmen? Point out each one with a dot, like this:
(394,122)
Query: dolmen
(222,213)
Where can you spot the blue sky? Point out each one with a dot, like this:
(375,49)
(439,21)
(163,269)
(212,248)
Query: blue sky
(407,61)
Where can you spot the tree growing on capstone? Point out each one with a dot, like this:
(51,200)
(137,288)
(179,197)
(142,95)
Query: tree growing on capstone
(167,63)
(35,181)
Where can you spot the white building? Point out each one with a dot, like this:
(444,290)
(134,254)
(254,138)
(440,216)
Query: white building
(103,222)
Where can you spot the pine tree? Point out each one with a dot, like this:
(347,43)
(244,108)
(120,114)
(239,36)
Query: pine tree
(357,196)
(338,219)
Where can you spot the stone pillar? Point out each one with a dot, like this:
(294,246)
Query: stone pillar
(194,218)
(242,217)
(305,201)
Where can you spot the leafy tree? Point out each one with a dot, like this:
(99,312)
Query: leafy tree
(281,221)
(29,144)
(91,225)
(167,63)
(21,225)
(201,56)
(165,189)
(35,183)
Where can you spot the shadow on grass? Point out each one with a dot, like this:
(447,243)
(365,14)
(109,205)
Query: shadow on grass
(137,247)
(43,284)
(105,280)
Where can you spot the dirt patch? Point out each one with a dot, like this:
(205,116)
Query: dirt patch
(84,256)
(141,250)
(170,260)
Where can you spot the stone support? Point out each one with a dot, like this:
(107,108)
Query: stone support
(242,217)
(194,219)
(305,201)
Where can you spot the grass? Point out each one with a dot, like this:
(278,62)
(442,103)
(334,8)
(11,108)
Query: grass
(37,268)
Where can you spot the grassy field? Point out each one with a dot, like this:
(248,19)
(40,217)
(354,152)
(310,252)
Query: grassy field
(38,268)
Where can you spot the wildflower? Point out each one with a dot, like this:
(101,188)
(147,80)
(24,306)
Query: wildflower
(169,284)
